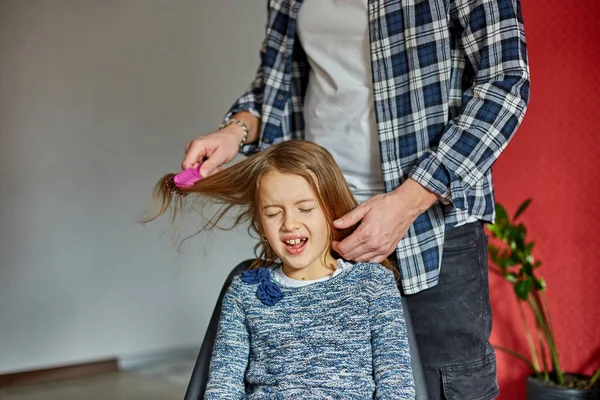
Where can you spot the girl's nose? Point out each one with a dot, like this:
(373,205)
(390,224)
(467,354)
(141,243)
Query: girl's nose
(290,223)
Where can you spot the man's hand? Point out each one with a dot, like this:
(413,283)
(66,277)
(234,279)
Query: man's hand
(218,148)
(215,149)
(385,219)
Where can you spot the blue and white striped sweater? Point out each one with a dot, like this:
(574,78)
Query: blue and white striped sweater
(344,338)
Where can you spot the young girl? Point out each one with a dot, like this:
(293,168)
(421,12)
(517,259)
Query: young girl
(302,323)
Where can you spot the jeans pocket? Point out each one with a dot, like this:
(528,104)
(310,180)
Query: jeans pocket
(471,381)
(461,238)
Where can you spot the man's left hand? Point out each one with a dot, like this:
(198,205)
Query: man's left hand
(384,220)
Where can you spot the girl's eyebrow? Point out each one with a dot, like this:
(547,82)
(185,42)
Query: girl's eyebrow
(296,203)
(304,201)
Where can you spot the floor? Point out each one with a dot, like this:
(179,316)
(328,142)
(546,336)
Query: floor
(166,380)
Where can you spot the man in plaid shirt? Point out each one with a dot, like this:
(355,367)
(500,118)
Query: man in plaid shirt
(449,85)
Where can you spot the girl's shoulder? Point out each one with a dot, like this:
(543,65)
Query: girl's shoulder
(372,270)
(376,280)
(374,276)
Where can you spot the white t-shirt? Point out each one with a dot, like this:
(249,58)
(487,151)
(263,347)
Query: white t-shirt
(339,107)
(284,280)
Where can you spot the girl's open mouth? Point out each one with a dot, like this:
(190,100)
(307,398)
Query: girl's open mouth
(295,246)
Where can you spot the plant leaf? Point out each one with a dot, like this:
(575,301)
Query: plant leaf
(493,229)
(540,284)
(527,269)
(522,208)
(501,215)
(515,258)
(529,247)
(502,259)
(521,232)
(493,250)
(523,288)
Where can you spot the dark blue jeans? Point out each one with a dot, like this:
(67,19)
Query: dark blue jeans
(452,321)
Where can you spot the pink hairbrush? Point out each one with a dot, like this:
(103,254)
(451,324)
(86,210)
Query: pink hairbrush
(183,180)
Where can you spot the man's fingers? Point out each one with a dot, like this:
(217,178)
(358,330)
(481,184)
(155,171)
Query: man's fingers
(352,218)
(352,246)
(358,252)
(194,153)
(369,257)
(362,247)
(379,259)
(345,246)
(361,253)
(211,165)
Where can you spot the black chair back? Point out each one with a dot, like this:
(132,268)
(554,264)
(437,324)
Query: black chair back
(197,385)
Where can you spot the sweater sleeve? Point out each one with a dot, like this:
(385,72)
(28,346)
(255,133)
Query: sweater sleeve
(389,341)
(226,379)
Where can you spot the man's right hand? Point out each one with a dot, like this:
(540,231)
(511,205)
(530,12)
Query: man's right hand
(217,148)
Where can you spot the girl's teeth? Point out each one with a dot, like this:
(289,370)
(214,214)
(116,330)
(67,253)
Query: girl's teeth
(293,241)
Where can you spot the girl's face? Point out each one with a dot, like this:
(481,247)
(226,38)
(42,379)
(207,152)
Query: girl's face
(294,224)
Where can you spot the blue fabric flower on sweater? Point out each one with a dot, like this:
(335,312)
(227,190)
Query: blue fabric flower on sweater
(257,275)
(267,292)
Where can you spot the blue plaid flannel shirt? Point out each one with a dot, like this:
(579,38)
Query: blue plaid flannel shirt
(451,85)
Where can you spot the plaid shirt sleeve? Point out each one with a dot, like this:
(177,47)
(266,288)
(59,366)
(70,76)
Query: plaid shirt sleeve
(491,37)
(251,100)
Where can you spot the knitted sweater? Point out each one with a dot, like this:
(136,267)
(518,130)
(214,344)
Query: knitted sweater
(344,338)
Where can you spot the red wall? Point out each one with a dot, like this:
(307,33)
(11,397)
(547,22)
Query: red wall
(555,159)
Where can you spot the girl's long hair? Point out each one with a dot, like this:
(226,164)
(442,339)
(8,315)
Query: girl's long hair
(236,188)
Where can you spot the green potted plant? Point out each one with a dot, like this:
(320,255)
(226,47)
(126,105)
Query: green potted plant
(513,261)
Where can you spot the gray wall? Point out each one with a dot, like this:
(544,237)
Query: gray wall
(97,99)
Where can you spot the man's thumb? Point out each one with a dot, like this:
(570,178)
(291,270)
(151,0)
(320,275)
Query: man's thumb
(206,169)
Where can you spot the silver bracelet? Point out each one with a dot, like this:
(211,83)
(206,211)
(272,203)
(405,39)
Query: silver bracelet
(239,123)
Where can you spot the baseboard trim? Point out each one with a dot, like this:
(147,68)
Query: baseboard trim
(59,373)
(132,362)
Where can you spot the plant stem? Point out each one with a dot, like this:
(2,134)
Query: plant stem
(543,304)
(544,356)
(547,309)
(539,316)
(518,355)
(534,357)
(593,379)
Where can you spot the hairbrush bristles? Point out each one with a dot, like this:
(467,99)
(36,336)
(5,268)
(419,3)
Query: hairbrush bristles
(174,190)
(183,180)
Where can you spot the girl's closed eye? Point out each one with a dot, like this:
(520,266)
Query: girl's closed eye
(306,210)
(272,214)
